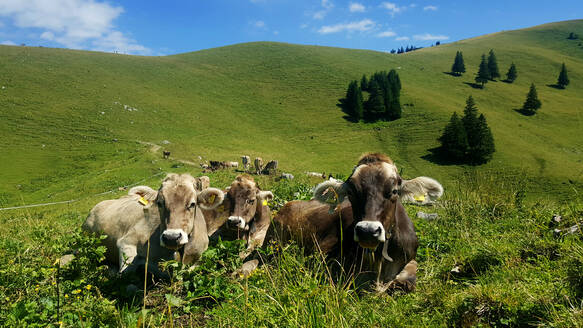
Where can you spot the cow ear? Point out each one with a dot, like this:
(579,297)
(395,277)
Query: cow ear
(330,192)
(265,195)
(202,183)
(420,190)
(145,192)
(210,198)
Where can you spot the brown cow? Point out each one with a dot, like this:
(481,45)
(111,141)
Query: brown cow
(381,225)
(170,219)
(244,214)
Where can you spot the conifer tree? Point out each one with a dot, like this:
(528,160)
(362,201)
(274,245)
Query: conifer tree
(353,101)
(512,73)
(532,104)
(454,141)
(493,66)
(483,73)
(393,97)
(483,151)
(364,83)
(471,124)
(375,105)
(563,80)
(458,66)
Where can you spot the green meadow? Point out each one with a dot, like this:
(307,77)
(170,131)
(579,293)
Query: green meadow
(78,125)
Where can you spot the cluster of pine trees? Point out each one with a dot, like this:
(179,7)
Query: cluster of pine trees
(404,50)
(487,71)
(468,139)
(383,101)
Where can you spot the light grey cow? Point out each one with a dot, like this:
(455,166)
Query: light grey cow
(171,219)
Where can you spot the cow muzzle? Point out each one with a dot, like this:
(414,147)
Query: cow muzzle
(369,234)
(173,238)
(236,222)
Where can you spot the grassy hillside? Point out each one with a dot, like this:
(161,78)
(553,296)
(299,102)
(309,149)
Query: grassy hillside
(60,110)
(78,125)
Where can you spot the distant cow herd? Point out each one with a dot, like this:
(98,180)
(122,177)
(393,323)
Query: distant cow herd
(360,222)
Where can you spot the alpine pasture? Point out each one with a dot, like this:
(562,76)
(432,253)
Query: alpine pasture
(76,126)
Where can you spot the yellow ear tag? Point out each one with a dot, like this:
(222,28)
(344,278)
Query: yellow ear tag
(419,198)
(264,202)
(212,199)
(143,201)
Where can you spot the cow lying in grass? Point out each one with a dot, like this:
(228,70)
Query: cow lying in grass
(370,232)
(244,214)
(168,221)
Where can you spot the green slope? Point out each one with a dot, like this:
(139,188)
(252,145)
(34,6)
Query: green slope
(60,111)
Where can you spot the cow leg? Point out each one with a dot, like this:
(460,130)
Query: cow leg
(127,254)
(406,280)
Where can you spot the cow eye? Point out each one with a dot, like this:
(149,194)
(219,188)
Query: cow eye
(395,191)
(192,205)
(250,201)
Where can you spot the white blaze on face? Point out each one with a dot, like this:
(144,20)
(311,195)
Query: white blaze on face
(237,221)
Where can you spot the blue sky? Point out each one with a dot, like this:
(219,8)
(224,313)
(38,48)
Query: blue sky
(177,26)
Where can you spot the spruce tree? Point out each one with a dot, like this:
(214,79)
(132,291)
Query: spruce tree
(393,106)
(512,73)
(532,104)
(483,151)
(493,66)
(563,80)
(471,124)
(375,105)
(353,101)
(454,141)
(364,83)
(483,73)
(458,66)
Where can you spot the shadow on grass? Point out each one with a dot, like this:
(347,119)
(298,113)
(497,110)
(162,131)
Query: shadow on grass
(555,86)
(436,156)
(507,81)
(474,85)
(524,112)
(452,74)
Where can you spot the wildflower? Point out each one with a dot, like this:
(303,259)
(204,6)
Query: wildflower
(76,291)
(66,295)
(88,287)
(53,283)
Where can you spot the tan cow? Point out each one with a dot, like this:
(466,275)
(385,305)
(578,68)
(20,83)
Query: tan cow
(170,219)
(244,214)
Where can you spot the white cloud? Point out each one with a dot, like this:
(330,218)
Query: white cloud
(116,41)
(327,4)
(413,5)
(362,26)
(356,7)
(432,8)
(392,8)
(259,24)
(8,43)
(402,38)
(71,23)
(320,14)
(386,34)
(304,26)
(430,37)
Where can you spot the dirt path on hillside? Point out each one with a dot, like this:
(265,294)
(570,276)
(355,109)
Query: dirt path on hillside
(154,148)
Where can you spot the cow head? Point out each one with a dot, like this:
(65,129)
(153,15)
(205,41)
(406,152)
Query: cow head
(178,201)
(374,189)
(245,200)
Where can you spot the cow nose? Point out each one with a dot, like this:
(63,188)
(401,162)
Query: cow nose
(369,234)
(237,221)
(173,238)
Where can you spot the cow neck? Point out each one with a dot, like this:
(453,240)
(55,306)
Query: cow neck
(389,234)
